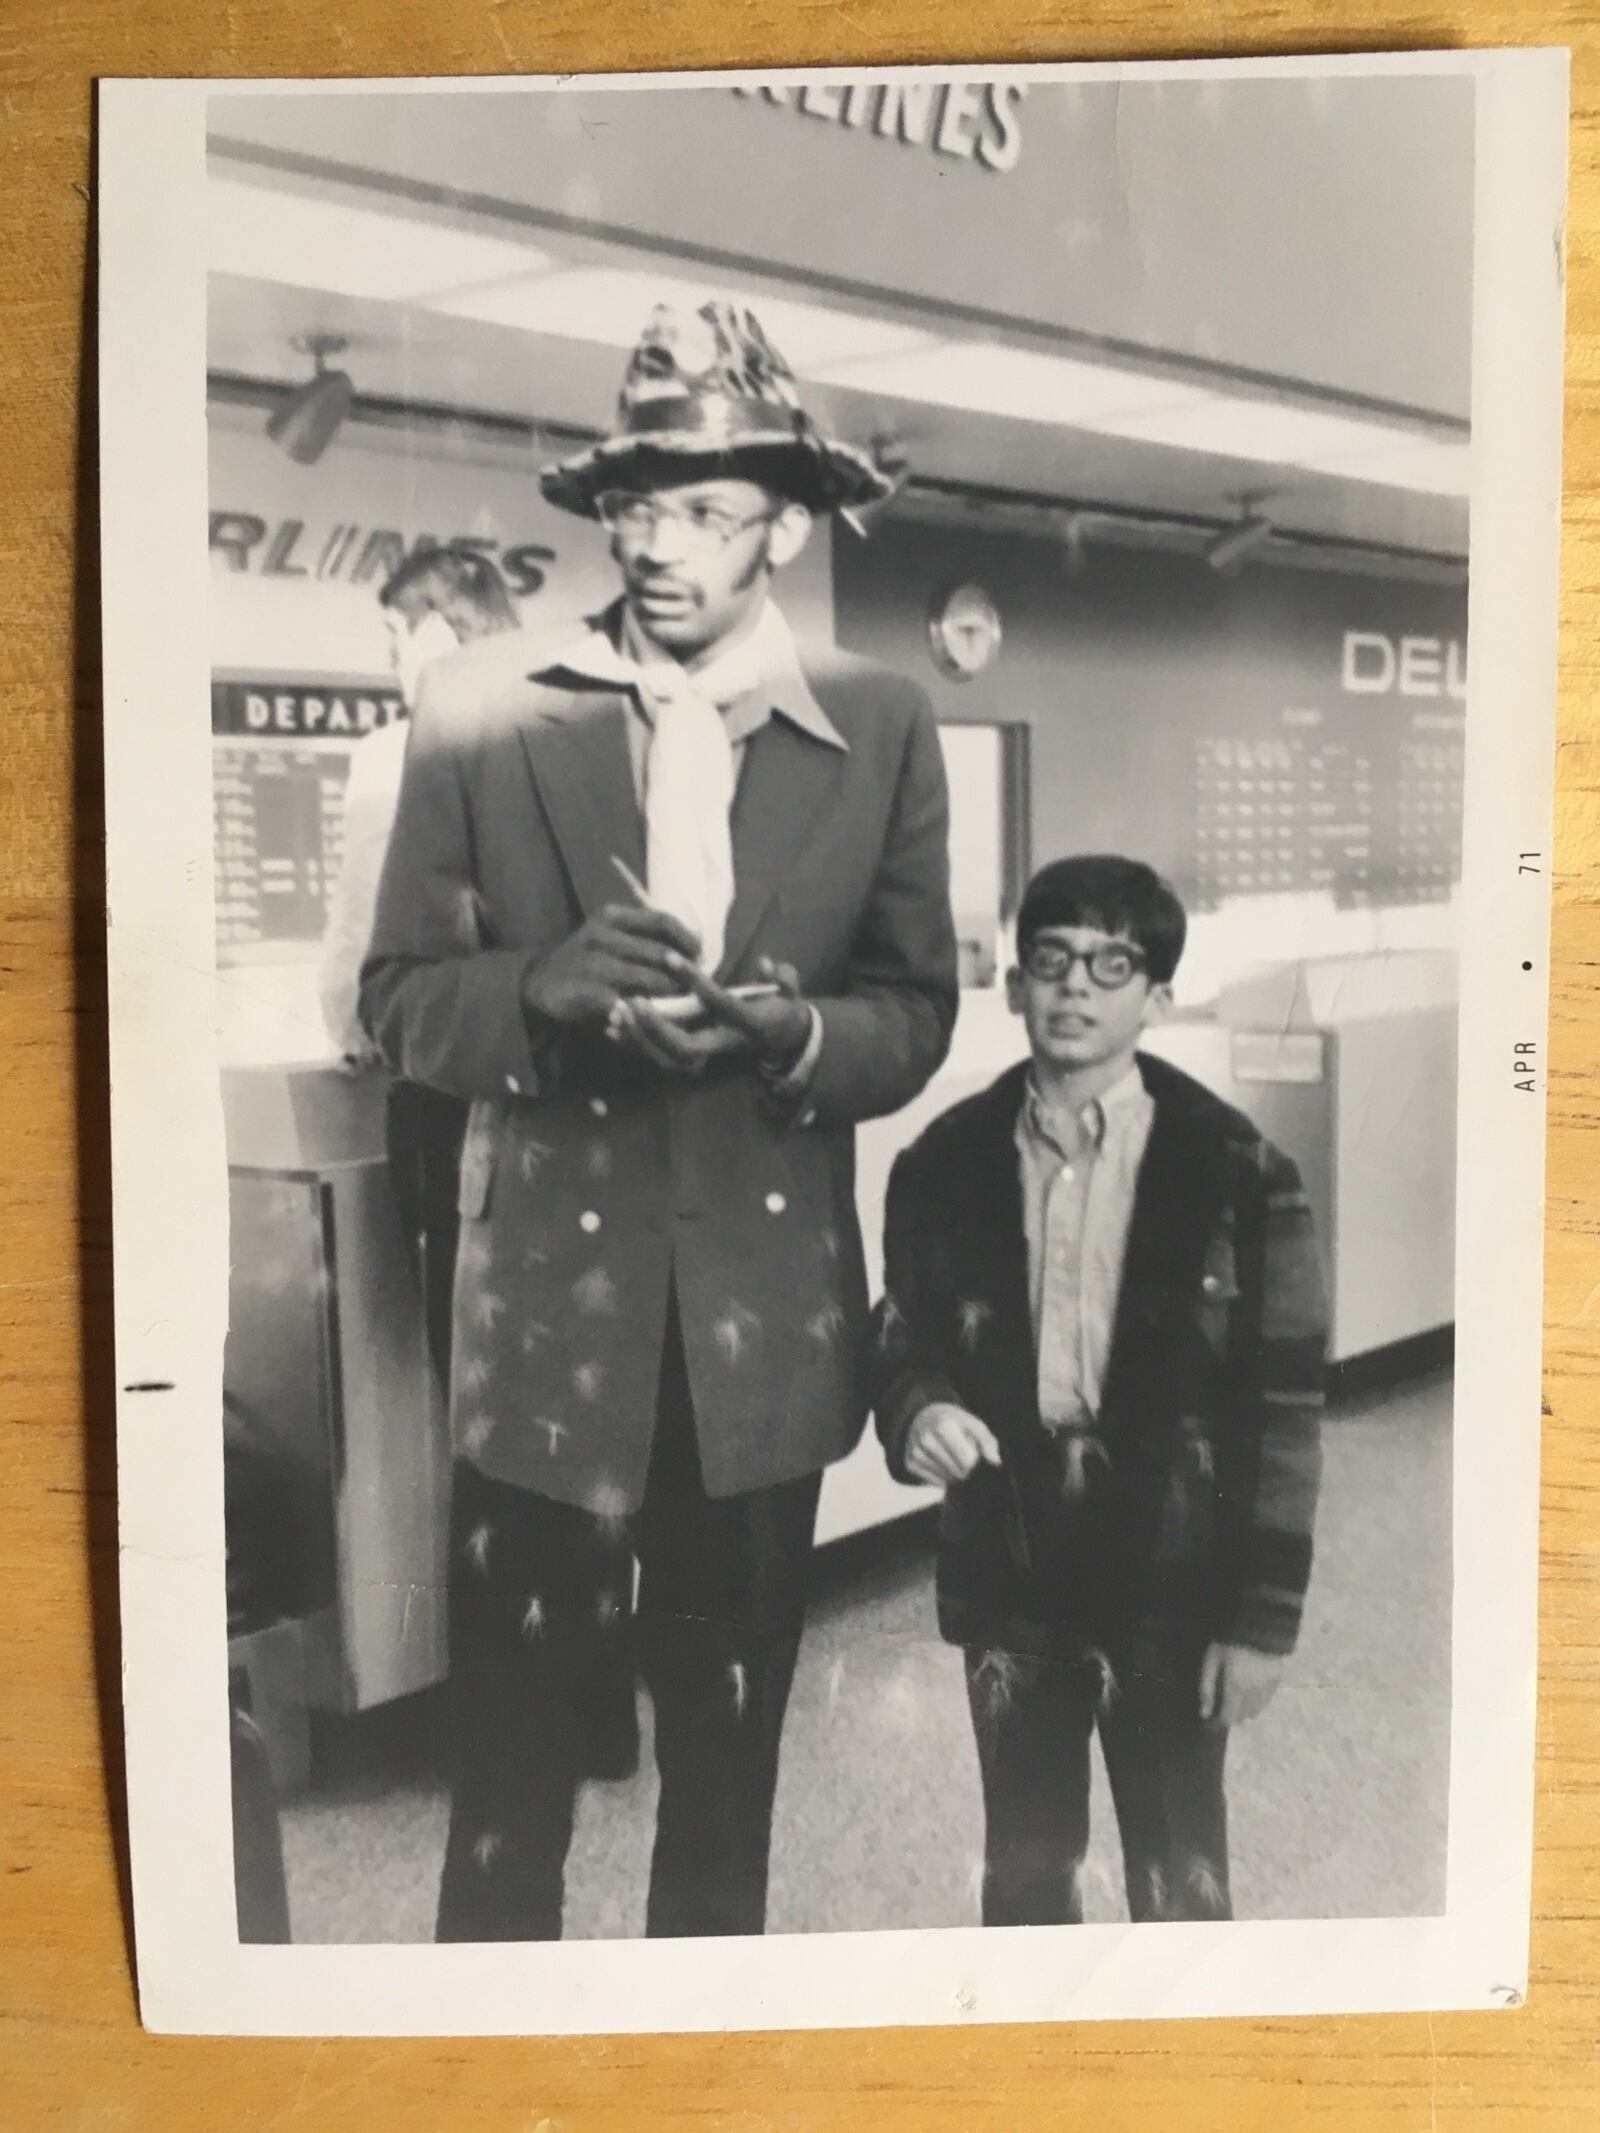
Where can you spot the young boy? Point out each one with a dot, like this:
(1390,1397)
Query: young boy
(1103,1332)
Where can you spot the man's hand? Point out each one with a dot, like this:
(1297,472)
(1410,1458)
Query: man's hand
(774,1027)
(1237,1683)
(945,1443)
(676,1047)
(621,952)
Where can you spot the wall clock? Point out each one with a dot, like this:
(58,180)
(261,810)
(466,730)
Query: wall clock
(963,632)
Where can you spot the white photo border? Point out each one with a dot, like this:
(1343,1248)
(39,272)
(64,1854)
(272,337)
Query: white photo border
(171,1216)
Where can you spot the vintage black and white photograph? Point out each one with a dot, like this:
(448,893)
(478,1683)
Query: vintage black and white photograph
(838,742)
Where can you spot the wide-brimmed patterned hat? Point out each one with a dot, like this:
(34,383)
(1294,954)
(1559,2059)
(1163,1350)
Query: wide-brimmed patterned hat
(706,393)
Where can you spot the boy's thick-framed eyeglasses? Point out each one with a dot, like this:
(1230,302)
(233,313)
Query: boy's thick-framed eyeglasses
(700,525)
(1109,966)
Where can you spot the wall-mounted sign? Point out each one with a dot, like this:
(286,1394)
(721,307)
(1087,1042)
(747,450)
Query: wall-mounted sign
(967,121)
(964,632)
(1376,664)
(1277,1055)
(352,552)
(269,710)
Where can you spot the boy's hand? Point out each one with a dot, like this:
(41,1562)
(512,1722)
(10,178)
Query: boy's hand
(1237,1683)
(945,1443)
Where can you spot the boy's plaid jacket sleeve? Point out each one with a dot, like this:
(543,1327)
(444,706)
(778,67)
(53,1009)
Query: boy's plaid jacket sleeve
(908,1369)
(1283,1384)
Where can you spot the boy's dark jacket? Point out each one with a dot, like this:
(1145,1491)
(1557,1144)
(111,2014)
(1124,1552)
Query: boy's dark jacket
(1186,1515)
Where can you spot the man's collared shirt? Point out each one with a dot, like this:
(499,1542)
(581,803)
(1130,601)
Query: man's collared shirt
(768,678)
(1078,1182)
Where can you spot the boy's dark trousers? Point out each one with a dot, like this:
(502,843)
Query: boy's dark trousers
(541,1695)
(1034,1719)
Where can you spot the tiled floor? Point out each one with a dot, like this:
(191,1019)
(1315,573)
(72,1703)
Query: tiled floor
(1337,1795)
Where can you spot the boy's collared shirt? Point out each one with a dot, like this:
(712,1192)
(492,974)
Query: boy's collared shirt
(1077,1206)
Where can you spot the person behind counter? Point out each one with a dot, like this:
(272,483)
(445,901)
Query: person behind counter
(1103,1332)
(441,605)
(662,1308)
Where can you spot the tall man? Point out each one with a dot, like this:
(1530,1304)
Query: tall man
(442,604)
(661,1304)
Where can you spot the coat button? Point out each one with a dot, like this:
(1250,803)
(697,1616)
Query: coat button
(776,1203)
(589,1221)
(599,1106)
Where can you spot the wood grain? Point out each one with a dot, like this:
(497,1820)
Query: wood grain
(71,2051)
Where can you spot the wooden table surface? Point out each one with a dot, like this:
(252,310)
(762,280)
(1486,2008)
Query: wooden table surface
(71,2051)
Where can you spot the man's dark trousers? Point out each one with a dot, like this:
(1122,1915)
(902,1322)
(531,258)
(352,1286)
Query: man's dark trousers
(1034,1719)
(424,1131)
(542,1646)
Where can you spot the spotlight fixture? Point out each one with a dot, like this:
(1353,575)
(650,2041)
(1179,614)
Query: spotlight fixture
(1229,551)
(1074,536)
(306,422)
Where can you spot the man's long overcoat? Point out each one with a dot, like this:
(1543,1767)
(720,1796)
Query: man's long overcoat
(592,1184)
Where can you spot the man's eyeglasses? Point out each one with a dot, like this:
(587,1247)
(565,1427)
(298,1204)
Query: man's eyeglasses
(701,525)
(1109,966)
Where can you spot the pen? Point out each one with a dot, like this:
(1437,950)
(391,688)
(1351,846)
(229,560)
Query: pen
(634,883)
(677,1007)
(622,1009)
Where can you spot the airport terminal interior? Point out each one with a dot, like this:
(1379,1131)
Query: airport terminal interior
(1184,575)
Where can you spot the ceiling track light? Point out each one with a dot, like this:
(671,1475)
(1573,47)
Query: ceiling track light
(1143,528)
(1073,531)
(306,423)
(1227,553)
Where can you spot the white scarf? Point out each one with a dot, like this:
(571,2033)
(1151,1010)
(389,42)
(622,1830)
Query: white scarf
(689,774)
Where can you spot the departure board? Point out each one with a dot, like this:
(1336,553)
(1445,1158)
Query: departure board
(1367,816)
(280,754)
(1428,795)
(278,822)
(1280,813)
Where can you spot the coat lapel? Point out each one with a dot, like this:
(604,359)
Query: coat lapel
(994,1246)
(786,785)
(577,751)
(1181,1188)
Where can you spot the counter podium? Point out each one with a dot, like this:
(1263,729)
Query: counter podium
(327,1364)
(1348,1063)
